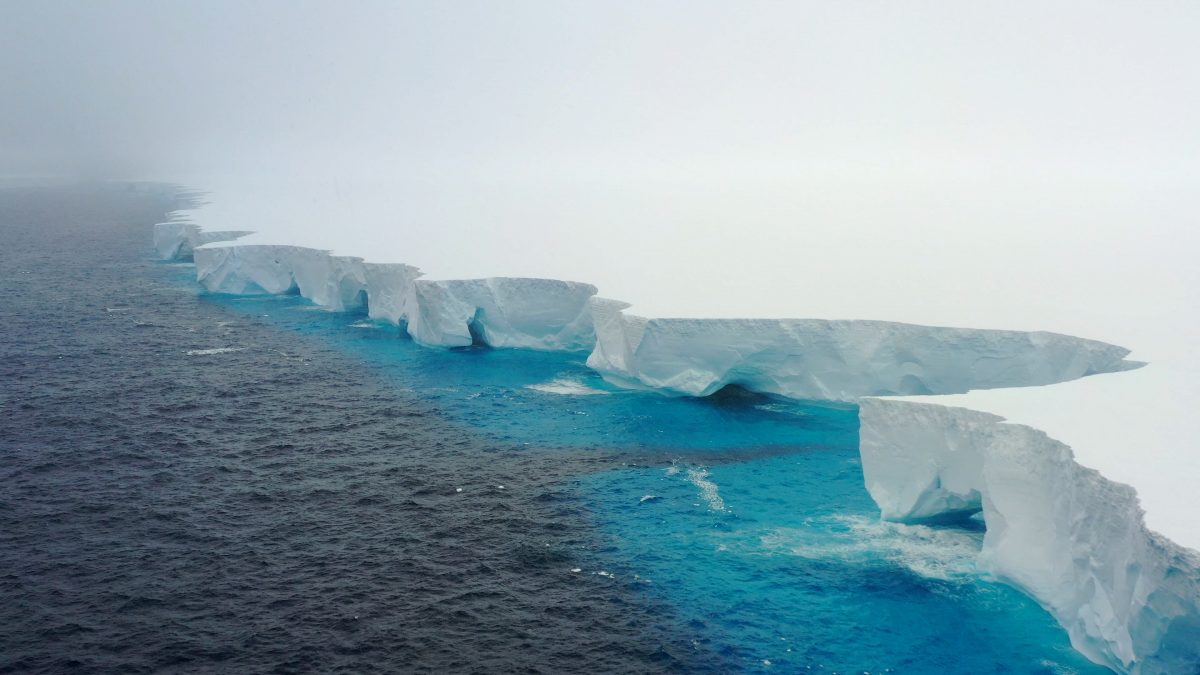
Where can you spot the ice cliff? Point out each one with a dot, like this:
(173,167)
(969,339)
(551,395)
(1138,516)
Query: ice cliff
(175,240)
(544,314)
(1072,539)
(832,360)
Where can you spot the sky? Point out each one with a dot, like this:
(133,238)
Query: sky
(894,160)
(692,90)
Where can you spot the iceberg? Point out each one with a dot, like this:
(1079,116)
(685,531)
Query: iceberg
(175,240)
(1072,539)
(833,360)
(1069,537)
(545,314)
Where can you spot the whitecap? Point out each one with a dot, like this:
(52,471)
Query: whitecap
(708,489)
(565,387)
(940,553)
(218,350)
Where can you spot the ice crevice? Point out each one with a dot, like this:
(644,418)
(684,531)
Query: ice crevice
(1070,538)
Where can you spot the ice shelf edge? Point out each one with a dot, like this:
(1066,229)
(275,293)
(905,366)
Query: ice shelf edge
(845,362)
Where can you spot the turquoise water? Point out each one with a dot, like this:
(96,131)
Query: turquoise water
(745,514)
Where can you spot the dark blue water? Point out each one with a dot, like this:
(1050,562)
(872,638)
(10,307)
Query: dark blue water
(202,483)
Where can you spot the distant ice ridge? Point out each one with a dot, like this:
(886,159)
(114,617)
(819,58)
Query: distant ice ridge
(1072,539)
(545,314)
(832,360)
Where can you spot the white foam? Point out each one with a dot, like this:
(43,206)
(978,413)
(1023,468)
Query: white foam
(943,554)
(708,489)
(218,350)
(565,387)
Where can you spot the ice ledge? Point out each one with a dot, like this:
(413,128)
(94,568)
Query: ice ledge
(1070,538)
(175,240)
(833,360)
(545,314)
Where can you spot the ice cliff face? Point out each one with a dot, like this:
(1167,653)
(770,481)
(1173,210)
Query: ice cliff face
(832,360)
(542,314)
(503,312)
(176,240)
(1071,539)
(1075,541)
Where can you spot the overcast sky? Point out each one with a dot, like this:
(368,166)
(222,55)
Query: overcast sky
(898,160)
(196,88)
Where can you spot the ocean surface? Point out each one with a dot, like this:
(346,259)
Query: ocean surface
(202,483)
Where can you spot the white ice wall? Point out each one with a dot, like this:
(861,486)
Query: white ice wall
(175,239)
(1072,539)
(833,360)
(545,314)
(542,314)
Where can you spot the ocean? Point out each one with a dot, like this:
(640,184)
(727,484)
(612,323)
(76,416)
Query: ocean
(192,482)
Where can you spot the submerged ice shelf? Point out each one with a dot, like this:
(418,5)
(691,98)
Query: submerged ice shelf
(1070,538)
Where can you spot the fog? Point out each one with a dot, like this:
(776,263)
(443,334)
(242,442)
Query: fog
(1023,165)
(874,91)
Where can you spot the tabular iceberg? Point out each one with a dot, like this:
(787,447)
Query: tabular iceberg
(542,314)
(1070,538)
(833,360)
(175,240)
(545,314)
(1073,540)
